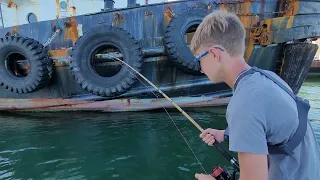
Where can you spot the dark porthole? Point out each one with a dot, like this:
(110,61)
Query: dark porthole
(31,17)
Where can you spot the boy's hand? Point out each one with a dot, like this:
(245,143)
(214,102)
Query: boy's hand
(210,135)
(203,177)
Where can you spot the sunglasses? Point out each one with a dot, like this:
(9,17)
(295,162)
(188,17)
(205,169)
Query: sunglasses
(198,58)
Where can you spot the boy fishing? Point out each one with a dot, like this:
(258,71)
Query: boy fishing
(262,113)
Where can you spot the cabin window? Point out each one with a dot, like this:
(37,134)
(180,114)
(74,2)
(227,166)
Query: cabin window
(31,17)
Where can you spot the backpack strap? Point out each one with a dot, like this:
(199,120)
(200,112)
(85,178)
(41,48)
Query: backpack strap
(303,107)
(276,81)
(288,147)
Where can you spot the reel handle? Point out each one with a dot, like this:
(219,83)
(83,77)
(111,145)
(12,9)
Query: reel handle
(220,173)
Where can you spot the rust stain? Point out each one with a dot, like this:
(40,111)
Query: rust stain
(246,8)
(248,21)
(290,22)
(37,104)
(43,104)
(315,64)
(118,19)
(291,8)
(267,31)
(148,13)
(73,10)
(46,103)
(240,8)
(277,22)
(265,37)
(262,35)
(11,4)
(71,31)
(225,7)
(58,8)
(15,29)
(249,49)
(58,53)
(232,7)
(168,14)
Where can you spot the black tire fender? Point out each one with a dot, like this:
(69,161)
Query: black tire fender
(37,56)
(91,81)
(177,49)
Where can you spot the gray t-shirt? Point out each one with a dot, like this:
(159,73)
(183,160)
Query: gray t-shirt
(260,112)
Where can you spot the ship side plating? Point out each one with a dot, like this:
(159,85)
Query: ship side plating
(70,65)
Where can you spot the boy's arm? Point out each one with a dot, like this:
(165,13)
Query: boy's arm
(248,136)
(253,166)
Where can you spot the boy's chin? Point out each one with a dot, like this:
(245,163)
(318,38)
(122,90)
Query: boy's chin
(215,81)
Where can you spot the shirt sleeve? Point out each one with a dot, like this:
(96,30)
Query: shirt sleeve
(247,127)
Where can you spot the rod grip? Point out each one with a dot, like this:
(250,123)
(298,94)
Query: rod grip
(226,154)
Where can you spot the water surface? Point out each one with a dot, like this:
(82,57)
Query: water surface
(141,146)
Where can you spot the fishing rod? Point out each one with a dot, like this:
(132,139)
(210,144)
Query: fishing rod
(218,172)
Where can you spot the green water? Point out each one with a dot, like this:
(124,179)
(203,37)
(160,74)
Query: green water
(139,146)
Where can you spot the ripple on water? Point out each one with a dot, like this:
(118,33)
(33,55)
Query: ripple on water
(184,169)
(19,150)
(109,169)
(6,174)
(194,164)
(115,175)
(50,162)
(120,158)
(6,162)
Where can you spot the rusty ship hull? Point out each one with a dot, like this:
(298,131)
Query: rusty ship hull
(73,72)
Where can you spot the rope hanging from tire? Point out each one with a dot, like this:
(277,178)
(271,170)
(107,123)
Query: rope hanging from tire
(94,78)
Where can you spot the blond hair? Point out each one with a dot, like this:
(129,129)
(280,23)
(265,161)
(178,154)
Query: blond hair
(220,28)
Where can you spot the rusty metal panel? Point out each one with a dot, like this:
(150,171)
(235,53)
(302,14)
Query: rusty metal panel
(302,7)
(260,56)
(287,22)
(263,8)
(266,22)
(295,33)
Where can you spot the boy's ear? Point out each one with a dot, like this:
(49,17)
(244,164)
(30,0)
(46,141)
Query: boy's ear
(214,52)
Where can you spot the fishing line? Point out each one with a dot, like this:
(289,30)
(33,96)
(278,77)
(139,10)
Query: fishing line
(171,120)
(216,144)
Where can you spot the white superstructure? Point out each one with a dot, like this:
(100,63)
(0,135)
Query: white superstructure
(17,12)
